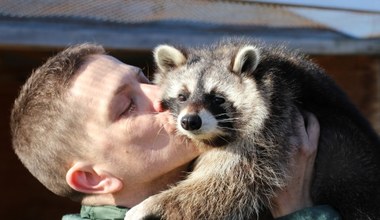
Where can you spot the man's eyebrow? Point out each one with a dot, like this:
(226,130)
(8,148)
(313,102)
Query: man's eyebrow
(119,90)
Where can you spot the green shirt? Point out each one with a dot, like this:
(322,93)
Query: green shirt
(322,212)
(107,212)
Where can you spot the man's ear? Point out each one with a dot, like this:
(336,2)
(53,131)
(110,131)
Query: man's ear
(83,177)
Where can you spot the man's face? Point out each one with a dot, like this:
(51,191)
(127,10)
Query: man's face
(128,135)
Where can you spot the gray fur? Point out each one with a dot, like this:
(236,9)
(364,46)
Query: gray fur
(266,86)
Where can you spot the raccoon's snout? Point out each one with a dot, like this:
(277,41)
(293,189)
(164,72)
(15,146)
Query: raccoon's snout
(191,122)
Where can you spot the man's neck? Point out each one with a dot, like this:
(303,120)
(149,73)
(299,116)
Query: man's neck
(132,195)
(136,194)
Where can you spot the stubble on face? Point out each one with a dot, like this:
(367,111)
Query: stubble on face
(140,147)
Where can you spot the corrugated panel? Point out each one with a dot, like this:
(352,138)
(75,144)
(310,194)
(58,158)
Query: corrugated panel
(314,28)
(140,11)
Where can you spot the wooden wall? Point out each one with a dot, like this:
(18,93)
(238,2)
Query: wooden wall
(26,198)
(359,77)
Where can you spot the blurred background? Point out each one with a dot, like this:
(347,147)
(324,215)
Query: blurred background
(341,36)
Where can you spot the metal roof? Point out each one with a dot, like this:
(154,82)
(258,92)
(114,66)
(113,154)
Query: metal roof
(142,24)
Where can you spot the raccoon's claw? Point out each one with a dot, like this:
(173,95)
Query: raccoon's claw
(136,213)
(141,216)
(143,211)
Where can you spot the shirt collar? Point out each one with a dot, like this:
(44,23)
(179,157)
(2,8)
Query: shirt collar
(103,212)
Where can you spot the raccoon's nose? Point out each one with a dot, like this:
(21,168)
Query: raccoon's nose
(191,122)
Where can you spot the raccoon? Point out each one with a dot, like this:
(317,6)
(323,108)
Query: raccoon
(238,100)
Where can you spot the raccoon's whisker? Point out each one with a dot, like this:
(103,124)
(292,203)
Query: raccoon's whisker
(198,144)
(184,142)
(229,120)
(221,137)
(162,127)
(231,129)
(226,118)
(222,119)
(221,114)
(173,114)
(158,133)
(225,113)
(187,141)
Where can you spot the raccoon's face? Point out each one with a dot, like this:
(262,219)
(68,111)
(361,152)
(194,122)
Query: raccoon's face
(203,115)
(208,93)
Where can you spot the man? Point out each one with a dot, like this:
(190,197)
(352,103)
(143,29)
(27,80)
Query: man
(89,127)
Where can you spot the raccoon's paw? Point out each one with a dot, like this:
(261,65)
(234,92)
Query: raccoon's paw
(143,211)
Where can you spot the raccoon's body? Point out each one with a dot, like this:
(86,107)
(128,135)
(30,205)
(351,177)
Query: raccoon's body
(239,99)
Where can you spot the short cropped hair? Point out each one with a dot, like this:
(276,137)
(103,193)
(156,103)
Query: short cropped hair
(46,129)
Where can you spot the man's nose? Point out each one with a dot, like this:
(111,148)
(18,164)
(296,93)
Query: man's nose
(153,93)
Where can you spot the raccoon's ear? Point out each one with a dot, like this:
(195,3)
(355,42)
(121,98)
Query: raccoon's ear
(168,57)
(246,60)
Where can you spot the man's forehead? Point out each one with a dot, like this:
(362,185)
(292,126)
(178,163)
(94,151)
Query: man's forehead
(100,65)
(103,58)
(95,83)
(100,72)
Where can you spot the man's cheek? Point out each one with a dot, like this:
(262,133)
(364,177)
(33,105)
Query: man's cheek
(167,122)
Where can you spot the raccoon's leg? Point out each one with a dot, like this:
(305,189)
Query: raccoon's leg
(145,210)
(220,187)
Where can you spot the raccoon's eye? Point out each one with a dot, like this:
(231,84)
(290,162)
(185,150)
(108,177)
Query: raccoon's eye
(218,100)
(182,97)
